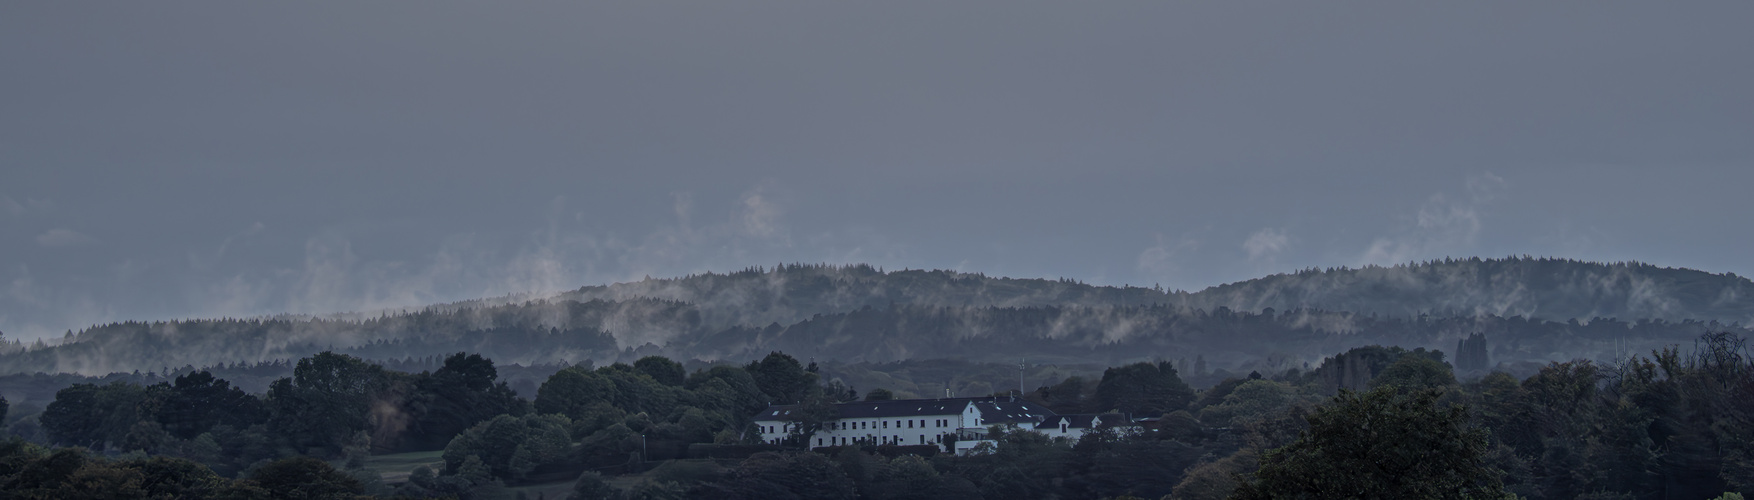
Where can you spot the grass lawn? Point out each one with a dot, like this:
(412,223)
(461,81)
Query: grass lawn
(395,467)
(557,490)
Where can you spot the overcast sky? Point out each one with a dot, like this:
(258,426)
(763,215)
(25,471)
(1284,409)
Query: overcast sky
(174,159)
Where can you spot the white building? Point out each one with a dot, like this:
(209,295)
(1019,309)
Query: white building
(1072,427)
(949,422)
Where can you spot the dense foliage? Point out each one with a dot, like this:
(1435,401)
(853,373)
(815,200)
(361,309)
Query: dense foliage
(29,471)
(1382,444)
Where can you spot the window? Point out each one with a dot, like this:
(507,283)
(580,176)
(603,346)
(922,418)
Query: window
(885,424)
(910,424)
(818,441)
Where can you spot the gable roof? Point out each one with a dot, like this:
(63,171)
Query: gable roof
(902,408)
(1011,412)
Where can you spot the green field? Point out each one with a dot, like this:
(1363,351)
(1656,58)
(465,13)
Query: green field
(548,491)
(395,467)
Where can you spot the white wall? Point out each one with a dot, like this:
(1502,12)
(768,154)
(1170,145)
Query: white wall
(912,430)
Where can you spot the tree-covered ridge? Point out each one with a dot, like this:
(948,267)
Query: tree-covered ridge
(529,334)
(790,293)
(1545,288)
(860,313)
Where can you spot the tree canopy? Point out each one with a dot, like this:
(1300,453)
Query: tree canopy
(1382,444)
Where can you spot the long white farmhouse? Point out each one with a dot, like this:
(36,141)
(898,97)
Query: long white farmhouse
(953,424)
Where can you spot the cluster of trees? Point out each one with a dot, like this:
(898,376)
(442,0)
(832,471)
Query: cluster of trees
(618,418)
(1140,389)
(1471,353)
(29,471)
(332,406)
(1670,425)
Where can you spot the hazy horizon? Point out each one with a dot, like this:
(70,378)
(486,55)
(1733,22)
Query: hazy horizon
(188,159)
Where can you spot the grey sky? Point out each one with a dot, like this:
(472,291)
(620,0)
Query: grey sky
(177,159)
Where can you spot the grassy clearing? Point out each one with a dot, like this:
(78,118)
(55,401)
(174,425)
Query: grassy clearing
(557,490)
(395,467)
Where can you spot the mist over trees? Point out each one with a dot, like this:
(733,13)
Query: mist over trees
(859,313)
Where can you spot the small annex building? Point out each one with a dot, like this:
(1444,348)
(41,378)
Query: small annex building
(953,424)
(1074,426)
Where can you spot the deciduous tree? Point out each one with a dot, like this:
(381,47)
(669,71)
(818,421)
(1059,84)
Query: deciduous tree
(1383,444)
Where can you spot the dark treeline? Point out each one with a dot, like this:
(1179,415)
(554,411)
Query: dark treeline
(343,409)
(1384,422)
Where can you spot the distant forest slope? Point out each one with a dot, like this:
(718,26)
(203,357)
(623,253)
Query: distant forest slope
(1541,288)
(571,332)
(790,293)
(859,313)
(1551,289)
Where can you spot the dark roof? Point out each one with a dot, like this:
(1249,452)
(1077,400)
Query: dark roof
(776,413)
(902,408)
(991,411)
(1011,412)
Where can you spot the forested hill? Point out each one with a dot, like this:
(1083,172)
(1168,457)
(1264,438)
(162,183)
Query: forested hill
(1539,288)
(788,294)
(1550,289)
(861,313)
